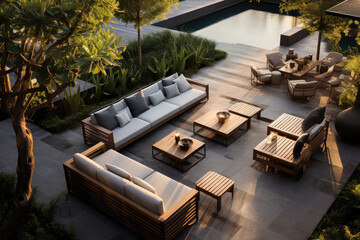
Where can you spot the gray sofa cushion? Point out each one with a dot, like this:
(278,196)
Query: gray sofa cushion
(182,83)
(123,117)
(106,118)
(158,113)
(317,115)
(299,144)
(157,98)
(113,181)
(137,103)
(149,91)
(145,198)
(169,80)
(132,129)
(120,105)
(117,159)
(86,165)
(168,189)
(187,98)
(172,90)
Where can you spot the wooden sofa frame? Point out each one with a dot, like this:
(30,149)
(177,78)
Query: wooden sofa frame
(182,214)
(275,158)
(94,133)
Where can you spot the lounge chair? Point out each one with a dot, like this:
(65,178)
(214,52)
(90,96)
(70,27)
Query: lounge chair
(259,75)
(301,88)
(275,61)
(331,59)
(325,77)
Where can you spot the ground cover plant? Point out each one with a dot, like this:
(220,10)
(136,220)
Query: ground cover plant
(39,221)
(163,53)
(342,219)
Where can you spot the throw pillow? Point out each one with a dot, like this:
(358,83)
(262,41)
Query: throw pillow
(300,142)
(123,118)
(169,80)
(314,117)
(120,105)
(137,104)
(172,91)
(106,118)
(182,83)
(156,98)
(118,171)
(143,184)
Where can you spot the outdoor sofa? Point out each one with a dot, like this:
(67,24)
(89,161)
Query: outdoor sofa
(144,112)
(150,203)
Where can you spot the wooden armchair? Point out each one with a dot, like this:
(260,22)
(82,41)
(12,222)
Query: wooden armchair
(259,75)
(301,88)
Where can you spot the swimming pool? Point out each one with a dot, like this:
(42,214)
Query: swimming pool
(253,24)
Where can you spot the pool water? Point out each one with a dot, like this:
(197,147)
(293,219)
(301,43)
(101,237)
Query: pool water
(253,24)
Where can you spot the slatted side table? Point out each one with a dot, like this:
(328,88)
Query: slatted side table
(215,185)
(246,110)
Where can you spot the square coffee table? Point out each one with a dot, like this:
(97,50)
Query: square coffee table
(169,148)
(226,130)
(246,110)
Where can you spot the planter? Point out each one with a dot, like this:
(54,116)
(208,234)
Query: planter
(347,122)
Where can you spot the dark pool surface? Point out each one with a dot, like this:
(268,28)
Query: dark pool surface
(254,24)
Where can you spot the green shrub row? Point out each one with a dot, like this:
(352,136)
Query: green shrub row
(39,222)
(163,54)
(342,221)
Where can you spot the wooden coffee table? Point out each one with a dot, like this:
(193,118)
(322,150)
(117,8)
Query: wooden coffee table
(294,72)
(215,185)
(210,122)
(246,110)
(169,148)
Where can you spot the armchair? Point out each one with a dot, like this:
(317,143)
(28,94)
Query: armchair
(275,61)
(301,88)
(331,59)
(259,76)
(325,77)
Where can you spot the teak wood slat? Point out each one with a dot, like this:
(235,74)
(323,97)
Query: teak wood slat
(287,125)
(215,185)
(246,110)
(93,133)
(167,226)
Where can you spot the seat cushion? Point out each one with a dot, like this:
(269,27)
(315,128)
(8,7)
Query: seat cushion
(113,181)
(145,198)
(158,113)
(137,103)
(168,189)
(87,165)
(117,159)
(187,98)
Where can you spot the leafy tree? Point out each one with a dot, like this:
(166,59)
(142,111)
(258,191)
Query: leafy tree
(144,12)
(51,41)
(313,16)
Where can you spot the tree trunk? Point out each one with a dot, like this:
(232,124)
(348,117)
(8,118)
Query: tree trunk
(139,47)
(318,46)
(24,170)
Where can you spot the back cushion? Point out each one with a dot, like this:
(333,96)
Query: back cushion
(86,165)
(315,116)
(113,181)
(145,198)
(106,118)
(137,103)
(299,144)
(182,83)
(150,90)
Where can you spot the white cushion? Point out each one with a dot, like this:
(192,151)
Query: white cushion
(117,159)
(158,113)
(86,165)
(150,90)
(123,117)
(145,198)
(182,83)
(113,181)
(143,184)
(156,98)
(172,90)
(168,189)
(187,98)
(132,129)
(118,171)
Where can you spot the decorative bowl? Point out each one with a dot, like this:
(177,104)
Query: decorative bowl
(292,64)
(185,142)
(222,116)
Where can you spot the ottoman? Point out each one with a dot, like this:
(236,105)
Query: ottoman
(276,77)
